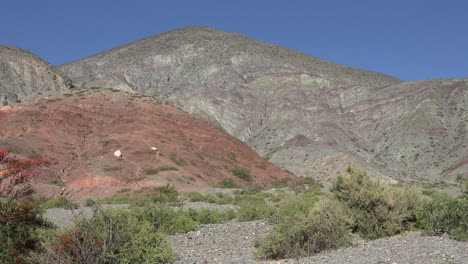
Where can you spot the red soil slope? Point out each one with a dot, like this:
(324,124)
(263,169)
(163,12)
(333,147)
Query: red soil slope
(83,130)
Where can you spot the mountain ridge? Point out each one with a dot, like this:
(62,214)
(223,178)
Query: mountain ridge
(313,120)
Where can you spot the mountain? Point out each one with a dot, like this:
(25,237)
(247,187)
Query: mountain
(82,129)
(23,74)
(305,114)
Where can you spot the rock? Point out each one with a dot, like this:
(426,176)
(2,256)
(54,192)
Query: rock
(307,115)
(118,153)
(24,74)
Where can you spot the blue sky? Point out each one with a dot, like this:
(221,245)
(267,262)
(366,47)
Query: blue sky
(410,39)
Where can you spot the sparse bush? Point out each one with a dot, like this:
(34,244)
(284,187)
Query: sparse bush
(254,208)
(445,214)
(59,202)
(207,216)
(228,183)
(177,160)
(217,198)
(57,182)
(163,168)
(196,197)
(376,209)
(124,190)
(325,227)
(89,202)
(242,173)
(112,236)
(115,168)
(292,207)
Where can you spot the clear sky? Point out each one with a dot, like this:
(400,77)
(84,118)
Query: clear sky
(411,39)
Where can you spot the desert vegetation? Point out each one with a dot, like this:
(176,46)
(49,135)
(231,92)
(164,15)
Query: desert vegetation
(360,206)
(304,220)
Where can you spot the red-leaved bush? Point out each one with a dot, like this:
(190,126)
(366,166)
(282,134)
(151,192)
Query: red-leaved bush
(19,217)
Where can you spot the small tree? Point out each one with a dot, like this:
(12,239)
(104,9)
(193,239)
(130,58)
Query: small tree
(19,217)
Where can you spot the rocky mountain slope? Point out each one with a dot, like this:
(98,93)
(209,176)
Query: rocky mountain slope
(81,130)
(23,73)
(304,114)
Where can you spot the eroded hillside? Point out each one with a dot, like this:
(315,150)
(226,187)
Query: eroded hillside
(81,130)
(305,114)
(23,74)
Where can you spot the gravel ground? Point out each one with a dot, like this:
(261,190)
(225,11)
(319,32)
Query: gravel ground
(203,205)
(64,218)
(219,243)
(234,243)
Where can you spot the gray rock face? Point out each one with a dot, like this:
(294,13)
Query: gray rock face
(304,114)
(23,73)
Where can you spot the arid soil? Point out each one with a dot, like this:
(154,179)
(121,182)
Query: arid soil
(235,243)
(83,129)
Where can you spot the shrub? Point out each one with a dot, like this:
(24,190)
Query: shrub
(445,214)
(376,209)
(163,168)
(228,183)
(254,208)
(151,171)
(115,168)
(242,173)
(89,202)
(293,208)
(59,202)
(112,236)
(176,160)
(325,227)
(196,197)
(207,216)
(19,216)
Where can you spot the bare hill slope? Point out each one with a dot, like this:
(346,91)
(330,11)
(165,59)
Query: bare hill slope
(305,114)
(83,129)
(23,73)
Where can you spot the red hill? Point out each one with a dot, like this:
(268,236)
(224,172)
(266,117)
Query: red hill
(83,130)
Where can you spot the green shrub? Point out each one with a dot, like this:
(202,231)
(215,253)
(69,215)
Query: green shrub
(164,194)
(151,171)
(196,197)
(376,209)
(112,236)
(242,173)
(292,207)
(59,202)
(215,198)
(163,168)
(115,168)
(147,247)
(445,214)
(124,190)
(122,199)
(57,182)
(325,227)
(89,202)
(177,160)
(254,208)
(207,216)
(228,183)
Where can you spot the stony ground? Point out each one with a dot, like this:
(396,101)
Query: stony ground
(234,243)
